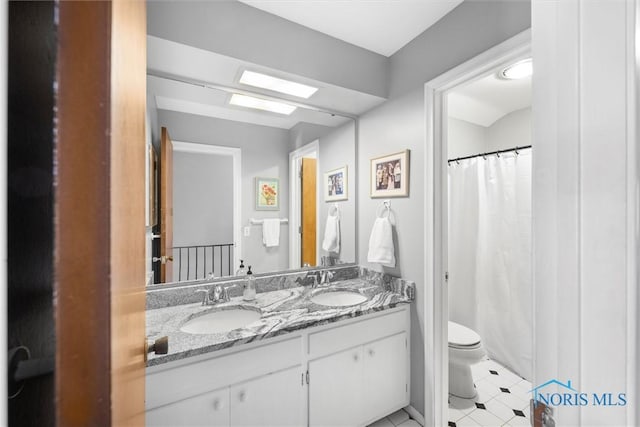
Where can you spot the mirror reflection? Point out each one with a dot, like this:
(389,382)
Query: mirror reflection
(240,172)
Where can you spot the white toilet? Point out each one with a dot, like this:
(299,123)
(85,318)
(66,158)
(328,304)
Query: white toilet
(465,349)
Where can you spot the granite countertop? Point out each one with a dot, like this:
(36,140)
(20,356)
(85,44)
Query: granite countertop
(282,311)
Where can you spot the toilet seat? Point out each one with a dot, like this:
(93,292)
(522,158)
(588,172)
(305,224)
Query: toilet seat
(462,337)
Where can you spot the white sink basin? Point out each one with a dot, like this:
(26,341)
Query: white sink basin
(221,321)
(338,298)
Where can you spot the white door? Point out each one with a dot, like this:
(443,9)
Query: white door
(335,389)
(271,400)
(385,376)
(209,409)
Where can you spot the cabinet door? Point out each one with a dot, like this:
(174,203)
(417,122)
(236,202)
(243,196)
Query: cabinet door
(335,389)
(385,376)
(271,400)
(209,409)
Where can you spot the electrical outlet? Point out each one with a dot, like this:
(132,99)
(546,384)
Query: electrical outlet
(247,231)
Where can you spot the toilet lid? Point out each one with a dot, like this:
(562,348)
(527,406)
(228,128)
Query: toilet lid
(462,336)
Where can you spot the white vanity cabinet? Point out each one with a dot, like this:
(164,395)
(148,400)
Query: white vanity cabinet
(360,384)
(261,385)
(208,409)
(348,373)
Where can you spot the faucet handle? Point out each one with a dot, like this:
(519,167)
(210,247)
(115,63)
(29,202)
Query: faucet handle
(205,297)
(224,294)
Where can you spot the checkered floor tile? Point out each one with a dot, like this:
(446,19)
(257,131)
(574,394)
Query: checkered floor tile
(503,399)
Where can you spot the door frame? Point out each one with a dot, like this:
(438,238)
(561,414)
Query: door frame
(295,217)
(435,298)
(236,155)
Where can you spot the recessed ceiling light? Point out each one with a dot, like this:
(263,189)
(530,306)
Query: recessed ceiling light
(279,85)
(261,104)
(519,70)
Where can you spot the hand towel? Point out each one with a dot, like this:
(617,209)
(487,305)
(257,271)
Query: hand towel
(331,242)
(271,232)
(381,248)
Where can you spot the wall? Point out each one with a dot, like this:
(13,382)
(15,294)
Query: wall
(337,149)
(467,139)
(512,130)
(468,30)
(202,210)
(265,153)
(30,202)
(234,29)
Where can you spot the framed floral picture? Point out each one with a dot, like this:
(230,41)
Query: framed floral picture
(267,194)
(390,175)
(336,186)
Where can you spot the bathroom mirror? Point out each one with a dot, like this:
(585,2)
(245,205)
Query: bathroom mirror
(235,168)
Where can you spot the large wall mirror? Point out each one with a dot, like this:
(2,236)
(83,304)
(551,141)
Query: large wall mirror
(246,172)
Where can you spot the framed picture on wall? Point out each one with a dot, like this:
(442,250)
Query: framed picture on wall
(267,194)
(390,175)
(336,185)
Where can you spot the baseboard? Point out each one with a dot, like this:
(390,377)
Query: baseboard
(413,413)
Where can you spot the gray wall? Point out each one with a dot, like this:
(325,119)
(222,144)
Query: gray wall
(467,31)
(338,149)
(203,209)
(467,139)
(234,29)
(512,130)
(265,152)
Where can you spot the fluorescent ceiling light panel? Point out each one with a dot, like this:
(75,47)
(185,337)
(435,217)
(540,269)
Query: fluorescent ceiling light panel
(261,104)
(519,70)
(278,85)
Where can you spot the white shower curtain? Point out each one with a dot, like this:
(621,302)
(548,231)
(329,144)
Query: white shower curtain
(490,254)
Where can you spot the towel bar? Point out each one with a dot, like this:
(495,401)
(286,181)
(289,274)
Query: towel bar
(260,221)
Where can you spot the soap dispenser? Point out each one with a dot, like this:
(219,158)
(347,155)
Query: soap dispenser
(241,271)
(249,293)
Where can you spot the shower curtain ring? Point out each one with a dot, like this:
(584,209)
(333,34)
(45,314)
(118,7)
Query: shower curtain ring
(516,150)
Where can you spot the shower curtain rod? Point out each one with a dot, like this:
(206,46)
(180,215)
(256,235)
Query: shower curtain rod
(489,153)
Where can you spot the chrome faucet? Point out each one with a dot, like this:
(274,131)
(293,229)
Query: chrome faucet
(325,277)
(214,295)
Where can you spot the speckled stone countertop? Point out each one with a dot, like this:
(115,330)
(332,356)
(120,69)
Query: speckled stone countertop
(282,311)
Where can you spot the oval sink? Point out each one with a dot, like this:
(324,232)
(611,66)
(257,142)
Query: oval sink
(338,298)
(220,321)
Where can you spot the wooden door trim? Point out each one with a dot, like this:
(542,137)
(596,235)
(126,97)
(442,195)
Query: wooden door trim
(82,226)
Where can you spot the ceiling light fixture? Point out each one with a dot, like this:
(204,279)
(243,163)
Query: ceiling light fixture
(261,104)
(519,70)
(264,81)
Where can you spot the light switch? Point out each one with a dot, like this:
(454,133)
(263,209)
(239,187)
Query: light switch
(247,231)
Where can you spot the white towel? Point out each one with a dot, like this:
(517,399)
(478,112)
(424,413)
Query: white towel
(381,248)
(331,242)
(271,232)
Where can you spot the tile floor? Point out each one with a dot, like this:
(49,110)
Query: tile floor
(397,419)
(503,399)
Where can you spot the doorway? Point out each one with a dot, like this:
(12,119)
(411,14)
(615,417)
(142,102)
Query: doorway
(436,296)
(304,200)
(206,211)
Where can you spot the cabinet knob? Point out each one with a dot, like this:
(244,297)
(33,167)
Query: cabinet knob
(216,404)
(371,352)
(355,357)
(242,396)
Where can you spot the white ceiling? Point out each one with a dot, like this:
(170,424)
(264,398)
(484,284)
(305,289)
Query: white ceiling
(185,62)
(381,26)
(488,99)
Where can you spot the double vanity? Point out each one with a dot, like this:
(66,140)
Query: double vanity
(301,353)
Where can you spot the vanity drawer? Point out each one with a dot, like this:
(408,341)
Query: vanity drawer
(369,328)
(171,384)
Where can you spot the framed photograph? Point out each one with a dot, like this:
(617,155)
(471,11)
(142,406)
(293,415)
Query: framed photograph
(267,194)
(335,185)
(390,175)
